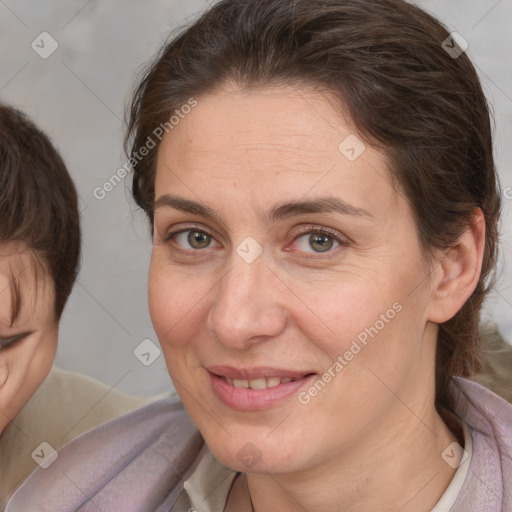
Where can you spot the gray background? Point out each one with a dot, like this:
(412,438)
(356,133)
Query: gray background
(78,95)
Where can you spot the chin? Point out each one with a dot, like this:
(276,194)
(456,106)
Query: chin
(254,454)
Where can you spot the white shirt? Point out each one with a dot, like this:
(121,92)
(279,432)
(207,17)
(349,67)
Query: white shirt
(453,490)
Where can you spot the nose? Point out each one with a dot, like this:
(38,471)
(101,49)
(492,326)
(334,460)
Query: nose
(246,307)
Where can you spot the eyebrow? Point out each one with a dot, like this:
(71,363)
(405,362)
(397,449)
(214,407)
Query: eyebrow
(276,213)
(185,205)
(319,205)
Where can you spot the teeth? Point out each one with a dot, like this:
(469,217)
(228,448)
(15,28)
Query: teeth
(272,382)
(260,383)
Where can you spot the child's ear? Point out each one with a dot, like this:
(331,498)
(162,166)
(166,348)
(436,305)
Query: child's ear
(458,271)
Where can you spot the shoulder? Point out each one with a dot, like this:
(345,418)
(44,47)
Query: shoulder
(130,463)
(496,373)
(484,410)
(68,404)
(102,402)
(489,417)
(65,405)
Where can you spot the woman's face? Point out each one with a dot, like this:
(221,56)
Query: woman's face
(27,347)
(282,252)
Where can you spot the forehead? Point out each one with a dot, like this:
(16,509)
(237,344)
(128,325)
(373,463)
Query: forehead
(26,293)
(260,143)
(241,123)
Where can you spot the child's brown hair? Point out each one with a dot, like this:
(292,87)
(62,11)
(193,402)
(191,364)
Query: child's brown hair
(38,204)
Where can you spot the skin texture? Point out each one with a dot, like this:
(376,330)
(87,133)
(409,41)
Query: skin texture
(28,346)
(374,425)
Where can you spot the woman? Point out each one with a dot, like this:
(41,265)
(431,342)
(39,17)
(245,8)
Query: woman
(324,207)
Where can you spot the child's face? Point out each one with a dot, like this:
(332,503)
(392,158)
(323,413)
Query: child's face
(27,347)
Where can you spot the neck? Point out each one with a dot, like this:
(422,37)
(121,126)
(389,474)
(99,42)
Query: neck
(368,477)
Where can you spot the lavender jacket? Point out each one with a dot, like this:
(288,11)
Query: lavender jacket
(139,462)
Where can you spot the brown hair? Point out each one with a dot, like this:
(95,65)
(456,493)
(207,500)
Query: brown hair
(385,63)
(38,204)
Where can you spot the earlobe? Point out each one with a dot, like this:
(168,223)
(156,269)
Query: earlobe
(460,268)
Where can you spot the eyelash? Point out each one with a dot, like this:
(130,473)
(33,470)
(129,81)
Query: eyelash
(308,230)
(331,233)
(11,340)
(169,237)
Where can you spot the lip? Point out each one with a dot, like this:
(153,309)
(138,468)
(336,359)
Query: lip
(246,399)
(255,372)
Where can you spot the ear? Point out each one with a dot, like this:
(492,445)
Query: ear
(458,271)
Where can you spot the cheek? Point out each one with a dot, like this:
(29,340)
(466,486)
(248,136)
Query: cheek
(177,303)
(368,323)
(337,314)
(23,369)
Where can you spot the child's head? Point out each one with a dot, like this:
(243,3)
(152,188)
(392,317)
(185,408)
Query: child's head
(39,256)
